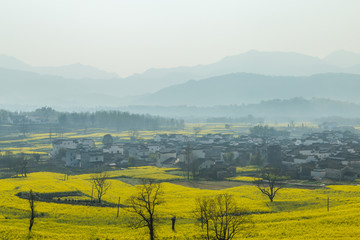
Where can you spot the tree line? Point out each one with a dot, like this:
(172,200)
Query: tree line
(116,120)
(266,131)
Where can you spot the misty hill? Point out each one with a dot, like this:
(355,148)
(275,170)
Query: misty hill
(152,80)
(74,71)
(265,63)
(27,88)
(239,88)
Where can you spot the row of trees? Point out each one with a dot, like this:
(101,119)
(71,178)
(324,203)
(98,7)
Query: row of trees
(266,131)
(100,119)
(4,116)
(117,120)
(246,119)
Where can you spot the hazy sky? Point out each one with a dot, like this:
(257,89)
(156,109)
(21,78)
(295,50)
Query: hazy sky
(134,35)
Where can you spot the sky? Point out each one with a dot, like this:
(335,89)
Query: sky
(132,36)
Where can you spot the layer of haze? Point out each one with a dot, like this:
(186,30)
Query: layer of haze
(132,36)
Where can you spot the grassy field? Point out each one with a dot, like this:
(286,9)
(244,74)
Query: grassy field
(295,214)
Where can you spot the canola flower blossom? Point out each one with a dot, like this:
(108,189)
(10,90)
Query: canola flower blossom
(295,214)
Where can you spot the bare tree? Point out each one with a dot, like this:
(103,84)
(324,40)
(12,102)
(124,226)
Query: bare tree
(132,161)
(197,130)
(23,162)
(101,183)
(144,206)
(222,217)
(66,174)
(23,127)
(228,157)
(37,157)
(19,165)
(134,134)
(32,209)
(202,213)
(268,184)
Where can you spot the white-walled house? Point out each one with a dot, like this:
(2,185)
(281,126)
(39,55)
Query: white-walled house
(71,144)
(83,158)
(114,149)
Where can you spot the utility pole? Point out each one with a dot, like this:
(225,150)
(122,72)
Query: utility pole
(92,192)
(118,208)
(328,203)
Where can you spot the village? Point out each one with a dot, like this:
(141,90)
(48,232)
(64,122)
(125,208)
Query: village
(317,155)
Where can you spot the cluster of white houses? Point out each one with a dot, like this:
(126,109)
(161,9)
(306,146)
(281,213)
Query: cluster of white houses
(318,155)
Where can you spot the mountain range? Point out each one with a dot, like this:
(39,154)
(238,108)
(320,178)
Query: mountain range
(265,63)
(241,79)
(244,88)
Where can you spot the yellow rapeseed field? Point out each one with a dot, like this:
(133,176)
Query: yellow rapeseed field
(295,214)
(244,179)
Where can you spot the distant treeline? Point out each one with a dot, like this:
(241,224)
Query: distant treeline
(266,131)
(117,120)
(248,119)
(4,116)
(100,119)
(276,110)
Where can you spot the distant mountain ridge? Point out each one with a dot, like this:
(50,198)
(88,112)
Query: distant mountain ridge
(245,88)
(153,80)
(221,83)
(73,71)
(264,63)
